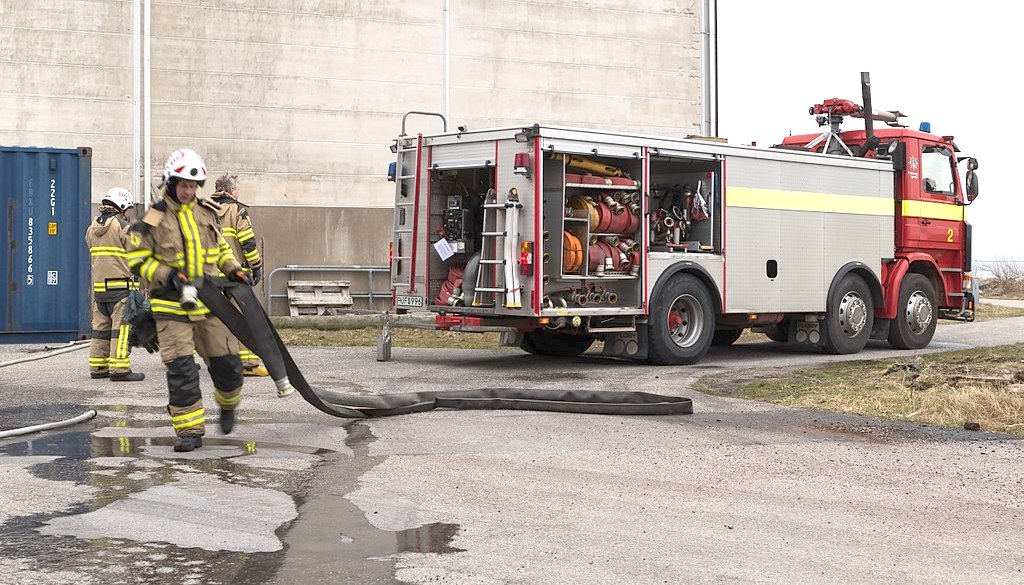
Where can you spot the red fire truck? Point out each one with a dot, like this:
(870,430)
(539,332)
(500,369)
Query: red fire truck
(661,247)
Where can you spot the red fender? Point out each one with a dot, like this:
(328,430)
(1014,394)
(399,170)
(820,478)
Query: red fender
(894,274)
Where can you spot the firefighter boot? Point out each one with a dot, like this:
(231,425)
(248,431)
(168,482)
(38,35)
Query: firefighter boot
(257,370)
(128,377)
(99,375)
(188,443)
(227,421)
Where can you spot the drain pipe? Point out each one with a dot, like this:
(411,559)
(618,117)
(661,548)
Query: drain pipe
(87,415)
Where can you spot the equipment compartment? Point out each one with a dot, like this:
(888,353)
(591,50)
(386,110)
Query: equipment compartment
(685,205)
(592,232)
(456,198)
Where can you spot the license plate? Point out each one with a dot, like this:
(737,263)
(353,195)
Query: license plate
(408,301)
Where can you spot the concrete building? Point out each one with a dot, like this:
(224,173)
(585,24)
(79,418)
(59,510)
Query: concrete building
(302,99)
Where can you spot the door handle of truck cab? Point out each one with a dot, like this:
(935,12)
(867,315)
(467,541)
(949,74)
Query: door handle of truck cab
(926,221)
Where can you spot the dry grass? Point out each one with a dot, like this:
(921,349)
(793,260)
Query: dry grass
(984,386)
(985,311)
(400,338)
(1006,280)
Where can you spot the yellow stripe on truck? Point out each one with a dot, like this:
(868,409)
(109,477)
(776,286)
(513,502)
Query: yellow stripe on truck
(933,210)
(807,201)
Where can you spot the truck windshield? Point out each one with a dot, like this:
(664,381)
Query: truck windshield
(937,170)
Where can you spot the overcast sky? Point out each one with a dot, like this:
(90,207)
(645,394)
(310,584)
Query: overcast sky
(946,62)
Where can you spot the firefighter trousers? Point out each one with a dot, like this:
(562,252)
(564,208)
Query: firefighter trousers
(219,349)
(108,350)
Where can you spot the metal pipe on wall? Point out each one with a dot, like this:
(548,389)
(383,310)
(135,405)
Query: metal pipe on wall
(709,67)
(147,178)
(447,70)
(136,100)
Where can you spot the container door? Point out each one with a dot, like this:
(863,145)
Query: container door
(45,264)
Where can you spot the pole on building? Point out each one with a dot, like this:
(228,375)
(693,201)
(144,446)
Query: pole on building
(709,67)
(136,102)
(447,58)
(147,178)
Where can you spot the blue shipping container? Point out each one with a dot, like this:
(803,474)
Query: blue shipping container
(46,194)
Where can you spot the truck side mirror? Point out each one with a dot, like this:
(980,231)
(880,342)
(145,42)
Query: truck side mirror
(972,182)
(897,151)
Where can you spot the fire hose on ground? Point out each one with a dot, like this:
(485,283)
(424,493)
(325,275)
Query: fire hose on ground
(253,328)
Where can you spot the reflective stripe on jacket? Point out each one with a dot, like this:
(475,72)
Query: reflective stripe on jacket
(175,238)
(106,237)
(237,229)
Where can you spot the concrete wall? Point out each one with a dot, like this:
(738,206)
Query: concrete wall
(302,99)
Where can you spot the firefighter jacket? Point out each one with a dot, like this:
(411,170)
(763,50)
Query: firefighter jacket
(237,229)
(175,238)
(106,237)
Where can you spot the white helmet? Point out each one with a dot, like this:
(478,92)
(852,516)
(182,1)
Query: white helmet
(119,198)
(185,163)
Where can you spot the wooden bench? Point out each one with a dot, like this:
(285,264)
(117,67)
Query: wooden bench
(318,297)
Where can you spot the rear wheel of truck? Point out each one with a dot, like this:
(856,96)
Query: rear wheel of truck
(914,324)
(682,322)
(849,316)
(726,337)
(552,343)
(778,333)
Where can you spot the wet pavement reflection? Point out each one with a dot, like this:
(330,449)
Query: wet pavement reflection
(117,469)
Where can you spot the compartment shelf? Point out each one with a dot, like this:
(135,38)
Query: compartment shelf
(603,187)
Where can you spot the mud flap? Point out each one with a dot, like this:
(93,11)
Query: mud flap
(253,328)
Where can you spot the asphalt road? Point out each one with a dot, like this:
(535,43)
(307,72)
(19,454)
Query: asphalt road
(737,492)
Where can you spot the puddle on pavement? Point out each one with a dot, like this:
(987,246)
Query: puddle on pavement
(430,538)
(118,467)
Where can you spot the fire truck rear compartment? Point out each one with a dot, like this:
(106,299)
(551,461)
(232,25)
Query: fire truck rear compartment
(456,216)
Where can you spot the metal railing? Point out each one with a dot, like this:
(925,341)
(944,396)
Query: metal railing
(370,294)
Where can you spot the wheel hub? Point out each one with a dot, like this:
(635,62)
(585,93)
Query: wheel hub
(919,312)
(853,314)
(685,321)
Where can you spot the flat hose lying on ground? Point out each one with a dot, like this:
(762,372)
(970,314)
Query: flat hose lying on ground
(75,346)
(47,426)
(253,328)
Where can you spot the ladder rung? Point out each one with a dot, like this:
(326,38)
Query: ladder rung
(492,234)
(494,206)
(401,257)
(404,231)
(489,289)
(405,204)
(492,261)
(403,177)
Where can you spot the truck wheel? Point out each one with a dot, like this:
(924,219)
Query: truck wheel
(914,324)
(726,337)
(778,333)
(849,316)
(682,322)
(551,343)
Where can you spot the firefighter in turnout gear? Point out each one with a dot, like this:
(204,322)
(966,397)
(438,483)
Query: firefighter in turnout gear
(238,233)
(111,283)
(176,245)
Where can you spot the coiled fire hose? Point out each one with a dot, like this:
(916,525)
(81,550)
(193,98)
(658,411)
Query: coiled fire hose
(253,328)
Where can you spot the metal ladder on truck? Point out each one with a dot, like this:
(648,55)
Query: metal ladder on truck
(406,175)
(501,221)
(405,214)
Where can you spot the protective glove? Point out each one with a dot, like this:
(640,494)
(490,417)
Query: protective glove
(239,276)
(179,280)
(257,275)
